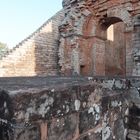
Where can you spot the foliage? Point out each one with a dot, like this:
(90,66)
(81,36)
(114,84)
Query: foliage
(3,48)
(2,45)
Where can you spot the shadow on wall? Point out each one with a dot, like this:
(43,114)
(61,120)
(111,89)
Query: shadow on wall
(6,114)
(46,54)
(115,50)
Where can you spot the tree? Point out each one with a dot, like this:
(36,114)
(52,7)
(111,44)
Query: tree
(3,49)
(3,46)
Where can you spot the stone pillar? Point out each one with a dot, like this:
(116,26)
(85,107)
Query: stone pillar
(136,47)
(128,45)
(98,56)
(43,131)
(75,61)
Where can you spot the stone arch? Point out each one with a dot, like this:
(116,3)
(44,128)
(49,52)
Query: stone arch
(95,28)
(89,28)
(124,15)
(120,13)
(87,47)
(104,23)
(113,15)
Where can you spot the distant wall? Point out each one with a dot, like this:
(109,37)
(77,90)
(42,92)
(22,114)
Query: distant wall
(37,54)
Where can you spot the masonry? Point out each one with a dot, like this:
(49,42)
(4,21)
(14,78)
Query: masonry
(76,41)
(74,108)
(76,77)
(84,37)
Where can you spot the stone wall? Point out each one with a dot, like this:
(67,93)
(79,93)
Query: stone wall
(37,54)
(75,108)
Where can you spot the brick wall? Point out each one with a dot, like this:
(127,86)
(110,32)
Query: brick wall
(86,23)
(37,54)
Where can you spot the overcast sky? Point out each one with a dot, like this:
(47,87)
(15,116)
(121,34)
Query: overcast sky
(19,18)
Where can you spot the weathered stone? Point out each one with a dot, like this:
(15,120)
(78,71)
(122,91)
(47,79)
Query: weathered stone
(31,133)
(73,108)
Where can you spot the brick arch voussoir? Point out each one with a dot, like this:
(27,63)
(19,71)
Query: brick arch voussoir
(90,26)
(122,14)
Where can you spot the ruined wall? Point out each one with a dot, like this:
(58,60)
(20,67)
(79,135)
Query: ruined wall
(37,54)
(83,31)
(81,48)
(74,108)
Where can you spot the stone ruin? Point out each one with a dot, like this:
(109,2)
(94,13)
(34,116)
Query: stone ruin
(76,77)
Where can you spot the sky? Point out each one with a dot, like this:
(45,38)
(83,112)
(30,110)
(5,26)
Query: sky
(20,18)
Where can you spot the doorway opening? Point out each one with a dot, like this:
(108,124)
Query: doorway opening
(115,48)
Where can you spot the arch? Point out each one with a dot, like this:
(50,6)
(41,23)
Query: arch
(113,15)
(120,13)
(91,31)
(106,22)
(96,28)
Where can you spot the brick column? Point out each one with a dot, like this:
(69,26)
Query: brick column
(75,61)
(43,131)
(98,56)
(136,47)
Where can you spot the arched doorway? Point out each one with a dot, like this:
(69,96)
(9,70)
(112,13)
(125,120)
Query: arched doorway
(112,31)
(115,51)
